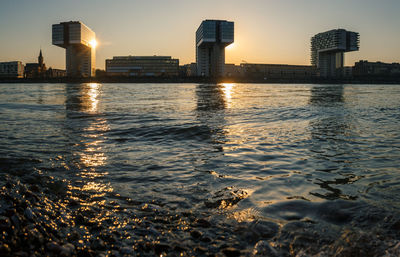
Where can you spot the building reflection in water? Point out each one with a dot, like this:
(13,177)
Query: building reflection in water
(210,97)
(212,111)
(86,131)
(327,95)
(212,100)
(331,143)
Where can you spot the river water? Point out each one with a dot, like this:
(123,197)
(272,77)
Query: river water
(325,156)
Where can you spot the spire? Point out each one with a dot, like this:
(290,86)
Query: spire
(40,59)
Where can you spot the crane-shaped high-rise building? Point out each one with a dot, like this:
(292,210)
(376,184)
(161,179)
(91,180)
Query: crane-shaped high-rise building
(79,42)
(212,37)
(328,48)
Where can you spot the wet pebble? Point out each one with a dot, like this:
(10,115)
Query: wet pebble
(67,250)
(5,223)
(196,234)
(396,225)
(263,248)
(79,219)
(257,230)
(206,239)
(73,203)
(150,208)
(126,250)
(98,244)
(86,252)
(53,247)
(393,251)
(35,188)
(264,229)
(231,252)
(161,248)
(21,254)
(178,247)
(29,214)
(202,223)
(200,249)
(16,221)
(5,250)
(73,236)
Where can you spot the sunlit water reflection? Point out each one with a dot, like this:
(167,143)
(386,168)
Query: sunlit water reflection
(86,124)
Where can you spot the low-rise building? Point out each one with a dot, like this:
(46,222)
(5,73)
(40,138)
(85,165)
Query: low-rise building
(137,66)
(36,70)
(348,71)
(55,73)
(13,69)
(278,71)
(190,69)
(233,70)
(365,68)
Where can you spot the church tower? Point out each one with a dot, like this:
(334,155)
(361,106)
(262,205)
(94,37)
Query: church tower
(40,60)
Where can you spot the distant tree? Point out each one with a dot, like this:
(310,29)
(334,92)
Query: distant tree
(100,73)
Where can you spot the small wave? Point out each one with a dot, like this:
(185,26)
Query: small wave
(226,198)
(160,133)
(17,165)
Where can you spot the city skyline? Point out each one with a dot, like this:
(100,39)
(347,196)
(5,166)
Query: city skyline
(265,31)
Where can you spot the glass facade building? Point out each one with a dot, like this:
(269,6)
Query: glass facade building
(212,37)
(11,69)
(78,40)
(137,66)
(328,48)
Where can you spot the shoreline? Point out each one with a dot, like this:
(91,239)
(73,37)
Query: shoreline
(201,80)
(44,215)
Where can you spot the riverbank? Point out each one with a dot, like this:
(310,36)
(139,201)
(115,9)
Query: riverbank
(44,216)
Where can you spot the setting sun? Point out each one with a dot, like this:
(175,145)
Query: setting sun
(93,43)
(230,47)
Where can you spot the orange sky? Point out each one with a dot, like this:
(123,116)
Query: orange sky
(266,31)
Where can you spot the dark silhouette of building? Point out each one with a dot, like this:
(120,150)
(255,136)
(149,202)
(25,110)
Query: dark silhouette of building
(328,48)
(55,73)
(14,69)
(79,42)
(278,71)
(212,37)
(139,66)
(40,60)
(376,69)
(36,70)
(190,70)
(233,71)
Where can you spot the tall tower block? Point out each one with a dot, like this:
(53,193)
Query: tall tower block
(212,37)
(79,42)
(328,48)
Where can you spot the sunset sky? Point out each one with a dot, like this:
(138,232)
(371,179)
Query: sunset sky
(266,31)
